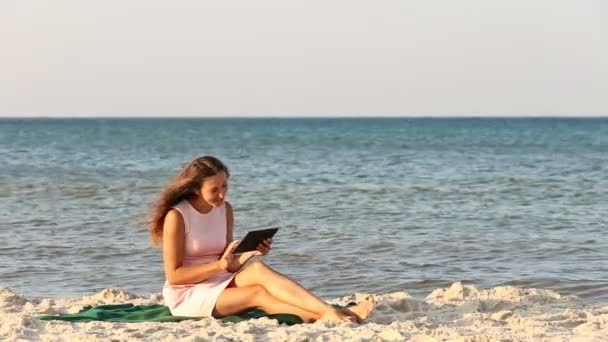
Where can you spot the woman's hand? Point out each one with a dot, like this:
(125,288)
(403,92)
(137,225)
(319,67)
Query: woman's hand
(232,263)
(228,261)
(242,259)
(264,247)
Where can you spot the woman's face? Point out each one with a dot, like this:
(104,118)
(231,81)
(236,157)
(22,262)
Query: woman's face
(214,189)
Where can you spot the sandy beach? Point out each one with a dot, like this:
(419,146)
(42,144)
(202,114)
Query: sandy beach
(456,313)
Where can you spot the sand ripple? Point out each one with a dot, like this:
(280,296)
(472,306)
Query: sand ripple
(456,313)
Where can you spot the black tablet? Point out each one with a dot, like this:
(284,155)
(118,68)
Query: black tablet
(252,240)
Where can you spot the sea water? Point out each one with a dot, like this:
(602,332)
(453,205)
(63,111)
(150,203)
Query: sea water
(363,205)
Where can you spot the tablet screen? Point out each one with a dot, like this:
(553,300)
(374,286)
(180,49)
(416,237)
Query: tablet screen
(253,238)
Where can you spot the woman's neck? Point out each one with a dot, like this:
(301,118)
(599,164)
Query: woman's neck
(200,205)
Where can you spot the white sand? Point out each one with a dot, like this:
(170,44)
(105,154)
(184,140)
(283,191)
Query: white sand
(457,313)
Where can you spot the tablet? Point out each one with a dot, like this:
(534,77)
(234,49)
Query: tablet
(252,240)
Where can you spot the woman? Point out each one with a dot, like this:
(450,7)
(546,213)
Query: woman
(194,224)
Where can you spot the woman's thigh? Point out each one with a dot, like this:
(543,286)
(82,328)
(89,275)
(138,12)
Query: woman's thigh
(237,299)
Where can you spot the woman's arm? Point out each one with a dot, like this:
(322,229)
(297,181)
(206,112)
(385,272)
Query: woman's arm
(173,254)
(242,259)
(229,224)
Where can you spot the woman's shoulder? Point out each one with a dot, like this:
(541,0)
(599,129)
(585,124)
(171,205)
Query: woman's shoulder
(228,206)
(180,205)
(174,219)
(179,213)
(226,209)
(175,212)
(183,207)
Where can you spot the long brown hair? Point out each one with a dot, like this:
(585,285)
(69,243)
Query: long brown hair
(186,184)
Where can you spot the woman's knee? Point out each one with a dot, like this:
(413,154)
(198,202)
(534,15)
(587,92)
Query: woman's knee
(258,265)
(259,294)
(252,274)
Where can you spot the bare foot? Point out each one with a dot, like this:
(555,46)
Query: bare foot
(362,310)
(335,316)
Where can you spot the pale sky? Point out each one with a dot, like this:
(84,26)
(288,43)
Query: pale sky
(303,58)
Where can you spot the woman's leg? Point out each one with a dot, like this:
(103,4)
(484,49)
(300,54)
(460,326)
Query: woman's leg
(283,288)
(237,299)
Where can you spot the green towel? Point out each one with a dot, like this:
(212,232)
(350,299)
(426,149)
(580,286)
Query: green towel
(129,313)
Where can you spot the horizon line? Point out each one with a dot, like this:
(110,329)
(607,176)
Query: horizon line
(515,116)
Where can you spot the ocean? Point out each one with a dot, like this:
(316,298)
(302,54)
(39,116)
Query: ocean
(363,205)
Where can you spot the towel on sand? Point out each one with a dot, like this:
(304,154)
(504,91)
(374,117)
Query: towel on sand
(129,313)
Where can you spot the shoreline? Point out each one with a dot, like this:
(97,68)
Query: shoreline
(458,312)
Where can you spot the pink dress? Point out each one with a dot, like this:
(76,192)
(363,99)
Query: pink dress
(204,242)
